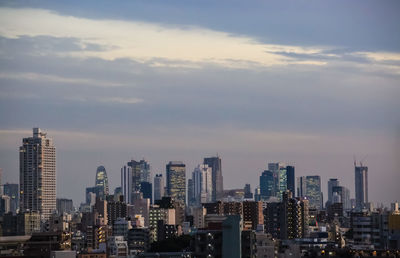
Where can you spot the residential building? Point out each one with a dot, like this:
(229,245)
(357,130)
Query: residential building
(37,157)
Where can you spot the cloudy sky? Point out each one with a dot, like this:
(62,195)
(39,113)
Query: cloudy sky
(310,83)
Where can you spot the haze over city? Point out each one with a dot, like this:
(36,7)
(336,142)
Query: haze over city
(309,83)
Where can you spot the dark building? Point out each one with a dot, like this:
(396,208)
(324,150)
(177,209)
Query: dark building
(361,186)
(139,239)
(98,190)
(165,231)
(214,208)
(146,189)
(176,181)
(267,184)
(284,220)
(290,179)
(335,210)
(217,178)
(247,192)
(41,244)
(249,244)
(116,209)
(252,214)
(64,205)
(207,243)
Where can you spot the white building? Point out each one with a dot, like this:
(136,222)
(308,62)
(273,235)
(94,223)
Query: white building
(37,157)
(202,184)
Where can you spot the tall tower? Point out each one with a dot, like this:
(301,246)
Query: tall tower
(37,177)
(290,176)
(202,184)
(102,180)
(310,187)
(331,183)
(158,187)
(176,181)
(217,179)
(361,186)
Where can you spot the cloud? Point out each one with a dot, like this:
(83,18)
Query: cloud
(57,79)
(144,41)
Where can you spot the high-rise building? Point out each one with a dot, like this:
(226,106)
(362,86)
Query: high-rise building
(344,196)
(202,184)
(310,187)
(361,186)
(64,206)
(132,175)
(267,184)
(247,192)
(37,157)
(290,176)
(146,190)
(158,187)
(102,180)
(176,181)
(12,191)
(331,183)
(285,219)
(126,183)
(217,179)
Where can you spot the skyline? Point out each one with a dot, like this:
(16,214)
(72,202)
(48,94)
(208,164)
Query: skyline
(255,83)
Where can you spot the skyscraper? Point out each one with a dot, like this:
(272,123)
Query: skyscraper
(202,184)
(37,157)
(102,180)
(331,183)
(344,196)
(132,175)
(126,183)
(158,187)
(267,185)
(361,186)
(176,181)
(290,176)
(217,179)
(310,187)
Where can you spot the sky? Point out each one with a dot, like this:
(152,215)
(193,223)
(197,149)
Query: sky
(314,84)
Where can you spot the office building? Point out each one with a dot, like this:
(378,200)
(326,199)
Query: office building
(146,189)
(37,157)
(247,192)
(290,176)
(126,183)
(331,183)
(132,175)
(217,179)
(361,186)
(344,196)
(158,187)
(202,184)
(11,190)
(310,187)
(267,185)
(102,181)
(64,205)
(176,181)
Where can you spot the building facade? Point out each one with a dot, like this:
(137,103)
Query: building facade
(217,179)
(37,157)
(176,181)
(361,186)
